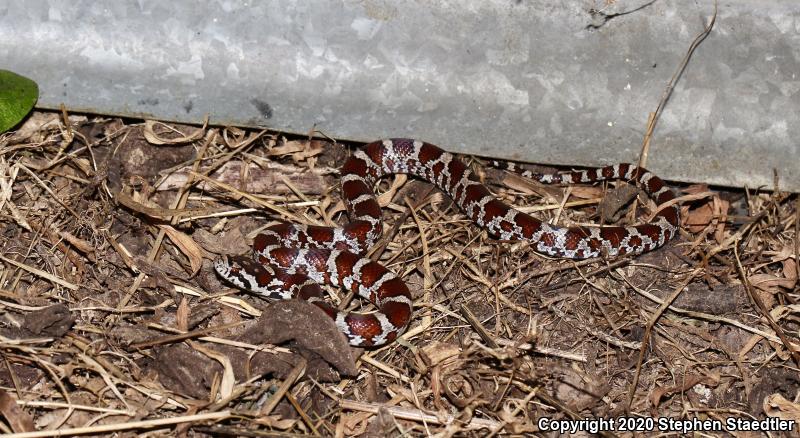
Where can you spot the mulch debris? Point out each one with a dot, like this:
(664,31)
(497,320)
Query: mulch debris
(113,321)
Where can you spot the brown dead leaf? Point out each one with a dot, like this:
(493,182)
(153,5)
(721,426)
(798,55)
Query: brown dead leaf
(766,296)
(780,312)
(228,377)
(777,406)
(780,351)
(299,150)
(276,422)
(18,419)
(80,244)
(188,247)
(695,189)
(529,187)
(688,382)
(790,270)
(587,192)
(713,212)
(769,282)
(263,177)
(150,135)
(287,148)
(720,208)
(35,127)
(437,352)
(699,218)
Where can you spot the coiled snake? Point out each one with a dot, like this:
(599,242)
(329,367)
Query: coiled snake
(291,260)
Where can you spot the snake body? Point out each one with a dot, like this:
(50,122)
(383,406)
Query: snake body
(291,260)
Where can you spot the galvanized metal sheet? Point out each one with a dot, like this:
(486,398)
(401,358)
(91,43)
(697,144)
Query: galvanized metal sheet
(537,81)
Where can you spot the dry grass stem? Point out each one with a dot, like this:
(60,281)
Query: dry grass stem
(113,321)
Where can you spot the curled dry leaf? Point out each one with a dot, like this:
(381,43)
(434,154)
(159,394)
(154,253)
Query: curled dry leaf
(299,150)
(530,187)
(80,244)
(8,175)
(697,219)
(188,247)
(721,208)
(695,189)
(385,198)
(713,212)
(780,312)
(287,148)
(153,138)
(776,405)
(687,383)
(789,265)
(228,377)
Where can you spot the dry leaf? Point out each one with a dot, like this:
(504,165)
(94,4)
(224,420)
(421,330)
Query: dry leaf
(780,350)
(768,282)
(153,138)
(275,421)
(720,209)
(18,419)
(36,125)
(660,391)
(780,312)
(385,198)
(228,377)
(587,192)
(80,244)
(790,270)
(289,147)
(695,189)
(777,406)
(699,218)
(299,150)
(188,247)
(8,174)
(437,352)
(528,186)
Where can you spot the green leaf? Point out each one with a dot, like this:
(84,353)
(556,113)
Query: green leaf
(18,94)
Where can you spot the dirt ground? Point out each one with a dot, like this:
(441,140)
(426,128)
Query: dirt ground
(112,320)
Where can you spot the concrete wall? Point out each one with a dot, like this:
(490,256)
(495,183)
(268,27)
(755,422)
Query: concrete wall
(538,81)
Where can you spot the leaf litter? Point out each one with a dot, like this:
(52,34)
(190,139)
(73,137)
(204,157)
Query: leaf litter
(113,320)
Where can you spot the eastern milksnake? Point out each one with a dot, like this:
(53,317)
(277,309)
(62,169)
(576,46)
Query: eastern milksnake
(291,260)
